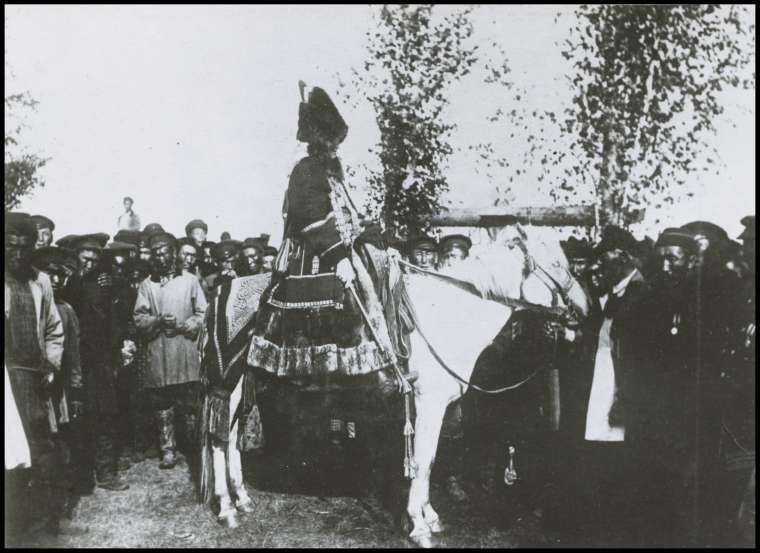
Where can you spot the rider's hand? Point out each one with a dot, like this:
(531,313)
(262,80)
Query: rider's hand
(345,272)
(394,253)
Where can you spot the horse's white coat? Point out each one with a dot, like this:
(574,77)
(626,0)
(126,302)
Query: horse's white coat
(459,326)
(228,472)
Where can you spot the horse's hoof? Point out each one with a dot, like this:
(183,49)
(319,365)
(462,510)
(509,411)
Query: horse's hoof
(245,506)
(436,526)
(423,541)
(228,520)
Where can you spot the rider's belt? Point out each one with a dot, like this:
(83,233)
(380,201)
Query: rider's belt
(308,291)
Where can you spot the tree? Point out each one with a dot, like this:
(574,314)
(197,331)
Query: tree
(21,167)
(412,62)
(646,85)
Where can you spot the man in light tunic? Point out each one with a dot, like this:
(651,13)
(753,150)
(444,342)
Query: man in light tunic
(169,313)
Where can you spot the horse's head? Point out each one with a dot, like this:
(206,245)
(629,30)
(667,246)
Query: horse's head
(543,270)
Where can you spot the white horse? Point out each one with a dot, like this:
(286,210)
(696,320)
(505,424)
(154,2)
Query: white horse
(458,324)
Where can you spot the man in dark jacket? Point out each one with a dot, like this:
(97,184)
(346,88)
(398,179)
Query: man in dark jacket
(593,414)
(673,404)
(90,294)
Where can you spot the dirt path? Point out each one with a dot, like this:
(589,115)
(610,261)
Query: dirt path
(159,510)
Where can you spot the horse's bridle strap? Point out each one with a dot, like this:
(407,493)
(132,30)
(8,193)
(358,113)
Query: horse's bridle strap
(443,364)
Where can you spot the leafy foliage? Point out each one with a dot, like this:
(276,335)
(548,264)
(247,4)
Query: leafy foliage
(412,62)
(646,84)
(21,167)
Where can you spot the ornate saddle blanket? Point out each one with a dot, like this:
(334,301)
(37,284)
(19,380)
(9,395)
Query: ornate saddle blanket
(229,326)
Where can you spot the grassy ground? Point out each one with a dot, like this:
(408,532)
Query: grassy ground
(159,510)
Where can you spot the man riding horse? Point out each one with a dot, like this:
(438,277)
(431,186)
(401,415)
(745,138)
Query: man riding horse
(310,322)
(320,321)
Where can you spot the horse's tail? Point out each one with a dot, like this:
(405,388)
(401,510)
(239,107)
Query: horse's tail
(205,490)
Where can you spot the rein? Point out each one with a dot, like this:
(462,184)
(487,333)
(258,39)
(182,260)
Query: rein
(470,288)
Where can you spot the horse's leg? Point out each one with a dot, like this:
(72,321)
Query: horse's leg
(243,502)
(227,514)
(430,411)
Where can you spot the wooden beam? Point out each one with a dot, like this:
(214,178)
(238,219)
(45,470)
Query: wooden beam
(559,216)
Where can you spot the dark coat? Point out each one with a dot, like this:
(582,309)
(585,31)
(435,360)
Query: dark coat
(578,371)
(93,306)
(673,396)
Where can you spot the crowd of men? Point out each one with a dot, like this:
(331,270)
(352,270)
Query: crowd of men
(657,383)
(102,352)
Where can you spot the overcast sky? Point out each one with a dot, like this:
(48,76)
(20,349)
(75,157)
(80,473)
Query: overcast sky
(192,110)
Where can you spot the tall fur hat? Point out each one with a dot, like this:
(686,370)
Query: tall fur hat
(319,119)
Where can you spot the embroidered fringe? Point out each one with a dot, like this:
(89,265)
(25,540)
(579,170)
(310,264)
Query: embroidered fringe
(315,360)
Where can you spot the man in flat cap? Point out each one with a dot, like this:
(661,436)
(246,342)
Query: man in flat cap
(593,410)
(169,314)
(90,293)
(672,403)
(250,257)
(197,230)
(226,258)
(45,228)
(268,255)
(452,249)
(33,349)
(125,345)
(60,264)
(152,228)
(129,220)
(423,252)
(132,237)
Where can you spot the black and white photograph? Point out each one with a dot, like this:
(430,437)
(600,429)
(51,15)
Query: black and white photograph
(380,276)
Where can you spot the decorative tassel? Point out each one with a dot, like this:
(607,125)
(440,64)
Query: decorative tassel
(207,465)
(281,261)
(510,474)
(410,467)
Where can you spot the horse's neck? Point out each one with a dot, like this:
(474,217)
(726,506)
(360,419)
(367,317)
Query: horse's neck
(457,324)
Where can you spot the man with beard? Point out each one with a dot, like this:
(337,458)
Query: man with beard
(33,349)
(90,293)
(672,402)
(169,314)
(60,264)
(45,228)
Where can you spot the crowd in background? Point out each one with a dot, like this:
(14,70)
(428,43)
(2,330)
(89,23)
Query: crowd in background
(656,434)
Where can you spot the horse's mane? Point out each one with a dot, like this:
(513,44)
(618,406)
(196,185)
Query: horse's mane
(497,270)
